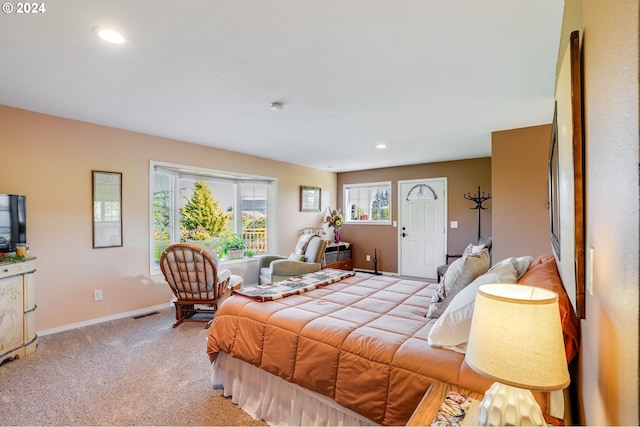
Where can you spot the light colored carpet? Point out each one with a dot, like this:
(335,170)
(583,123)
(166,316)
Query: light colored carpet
(123,372)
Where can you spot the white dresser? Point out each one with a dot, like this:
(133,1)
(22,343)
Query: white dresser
(17,309)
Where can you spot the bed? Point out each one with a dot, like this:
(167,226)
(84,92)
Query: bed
(353,351)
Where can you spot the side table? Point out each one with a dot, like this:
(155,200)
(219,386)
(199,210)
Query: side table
(431,403)
(432,400)
(338,256)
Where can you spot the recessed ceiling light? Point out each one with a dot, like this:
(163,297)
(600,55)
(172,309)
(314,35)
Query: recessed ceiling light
(277,106)
(109,35)
(381,146)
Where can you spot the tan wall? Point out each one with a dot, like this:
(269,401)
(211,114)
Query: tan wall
(520,192)
(608,374)
(50,160)
(463,176)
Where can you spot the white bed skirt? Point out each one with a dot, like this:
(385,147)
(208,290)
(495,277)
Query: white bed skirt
(276,401)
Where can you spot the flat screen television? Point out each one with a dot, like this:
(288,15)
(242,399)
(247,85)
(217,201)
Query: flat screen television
(13,221)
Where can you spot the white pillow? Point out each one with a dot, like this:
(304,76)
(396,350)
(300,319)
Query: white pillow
(451,330)
(459,274)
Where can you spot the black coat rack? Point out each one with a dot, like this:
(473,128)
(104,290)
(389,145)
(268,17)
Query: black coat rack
(479,198)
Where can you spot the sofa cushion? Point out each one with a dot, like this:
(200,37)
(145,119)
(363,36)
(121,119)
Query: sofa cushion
(459,274)
(265,275)
(543,273)
(315,250)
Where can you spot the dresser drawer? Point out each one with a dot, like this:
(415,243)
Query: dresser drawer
(14,268)
(341,265)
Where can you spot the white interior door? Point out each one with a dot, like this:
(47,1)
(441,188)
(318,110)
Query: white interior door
(422,226)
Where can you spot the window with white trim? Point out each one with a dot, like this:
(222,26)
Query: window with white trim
(367,203)
(244,198)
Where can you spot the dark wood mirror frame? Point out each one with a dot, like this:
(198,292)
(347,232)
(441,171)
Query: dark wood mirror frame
(578,169)
(554,202)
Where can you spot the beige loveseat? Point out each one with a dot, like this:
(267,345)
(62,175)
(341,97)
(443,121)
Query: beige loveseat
(306,258)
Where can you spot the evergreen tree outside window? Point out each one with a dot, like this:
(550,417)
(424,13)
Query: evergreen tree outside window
(201,217)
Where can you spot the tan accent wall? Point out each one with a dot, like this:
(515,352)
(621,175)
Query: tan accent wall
(608,365)
(520,192)
(463,176)
(50,160)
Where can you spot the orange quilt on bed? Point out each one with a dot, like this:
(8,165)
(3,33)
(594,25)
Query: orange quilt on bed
(361,341)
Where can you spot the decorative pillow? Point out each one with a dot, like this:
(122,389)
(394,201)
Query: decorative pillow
(451,330)
(302,244)
(472,249)
(296,257)
(459,274)
(521,264)
(467,250)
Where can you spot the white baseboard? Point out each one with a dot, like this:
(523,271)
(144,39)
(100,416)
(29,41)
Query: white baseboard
(103,319)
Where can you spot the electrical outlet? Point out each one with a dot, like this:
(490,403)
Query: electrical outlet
(368,257)
(97,295)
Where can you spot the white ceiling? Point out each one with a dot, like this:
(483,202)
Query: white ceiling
(431,79)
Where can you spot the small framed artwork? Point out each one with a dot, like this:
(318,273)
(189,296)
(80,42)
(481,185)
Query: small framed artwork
(309,199)
(107,209)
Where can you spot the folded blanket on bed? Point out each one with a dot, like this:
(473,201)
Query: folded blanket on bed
(294,285)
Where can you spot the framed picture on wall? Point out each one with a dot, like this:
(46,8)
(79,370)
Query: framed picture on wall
(107,209)
(309,199)
(554,202)
(578,170)
(567,182)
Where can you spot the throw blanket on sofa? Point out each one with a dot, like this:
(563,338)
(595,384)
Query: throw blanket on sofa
(294,285)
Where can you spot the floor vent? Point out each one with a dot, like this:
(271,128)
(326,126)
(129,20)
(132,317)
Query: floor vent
(140,316)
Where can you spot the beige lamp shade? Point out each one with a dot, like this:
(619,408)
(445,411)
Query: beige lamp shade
(516,337)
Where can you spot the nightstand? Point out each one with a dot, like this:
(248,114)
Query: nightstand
(432,401)
(338,256)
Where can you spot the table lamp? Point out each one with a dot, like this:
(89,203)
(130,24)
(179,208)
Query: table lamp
(516,340)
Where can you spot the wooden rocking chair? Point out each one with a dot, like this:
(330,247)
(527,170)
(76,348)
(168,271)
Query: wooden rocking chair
(192,273)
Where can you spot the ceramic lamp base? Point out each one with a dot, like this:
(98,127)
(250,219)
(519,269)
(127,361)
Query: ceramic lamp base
(505,405)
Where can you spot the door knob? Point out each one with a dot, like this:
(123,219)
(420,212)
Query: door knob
(404,234)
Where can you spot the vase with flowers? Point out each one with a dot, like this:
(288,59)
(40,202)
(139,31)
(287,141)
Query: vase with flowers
(334,219)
